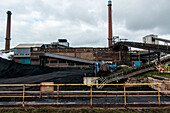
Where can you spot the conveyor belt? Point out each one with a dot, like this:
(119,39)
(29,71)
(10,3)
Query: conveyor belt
(163,40)
(154,47)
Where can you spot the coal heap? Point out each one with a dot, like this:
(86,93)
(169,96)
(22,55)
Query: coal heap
(10,69)
(11,72)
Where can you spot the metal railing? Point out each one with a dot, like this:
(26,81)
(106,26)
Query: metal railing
(24,93)
(120,75)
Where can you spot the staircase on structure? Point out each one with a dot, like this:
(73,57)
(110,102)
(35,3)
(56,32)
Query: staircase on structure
(122,75)
(126,74)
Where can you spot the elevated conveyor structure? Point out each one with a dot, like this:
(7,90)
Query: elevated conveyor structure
(163,40)
(153,47)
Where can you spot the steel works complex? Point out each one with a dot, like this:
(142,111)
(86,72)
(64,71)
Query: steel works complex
(60,54)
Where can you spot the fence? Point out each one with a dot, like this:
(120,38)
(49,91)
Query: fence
(23,93)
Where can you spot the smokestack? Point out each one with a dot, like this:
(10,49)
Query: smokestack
(8,31)
(110,23)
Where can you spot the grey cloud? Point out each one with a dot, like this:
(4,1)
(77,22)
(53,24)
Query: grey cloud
(83,22)
(144,15)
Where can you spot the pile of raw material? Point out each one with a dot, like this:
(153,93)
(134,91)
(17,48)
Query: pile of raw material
(10,69)
(15,73)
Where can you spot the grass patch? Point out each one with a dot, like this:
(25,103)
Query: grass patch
(47,110)
(156,111)
(144,75)
(160,78)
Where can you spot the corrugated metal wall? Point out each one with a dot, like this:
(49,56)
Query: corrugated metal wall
(22,52)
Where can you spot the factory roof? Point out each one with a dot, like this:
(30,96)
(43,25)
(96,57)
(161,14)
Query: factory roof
(70,58)
(28,45)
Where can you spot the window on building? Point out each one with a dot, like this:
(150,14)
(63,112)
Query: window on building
(35,49)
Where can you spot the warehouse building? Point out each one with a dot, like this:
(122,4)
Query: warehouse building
(64,56)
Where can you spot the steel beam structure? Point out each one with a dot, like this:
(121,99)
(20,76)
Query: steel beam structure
(153,47)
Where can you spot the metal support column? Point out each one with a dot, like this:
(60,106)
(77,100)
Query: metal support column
(23,96)
(91,101)
(159,56)
(149,56)
(159,95)
(124,95)
(57,95)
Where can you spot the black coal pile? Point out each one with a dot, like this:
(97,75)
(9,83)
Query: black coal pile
(14,73)
(59,77)
(10,69)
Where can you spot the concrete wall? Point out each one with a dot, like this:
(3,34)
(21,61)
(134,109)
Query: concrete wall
(89,80)
(97,54)
(163,87)
(88,56)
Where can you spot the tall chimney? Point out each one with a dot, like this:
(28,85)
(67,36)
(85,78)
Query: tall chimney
(8,31)
(110,23)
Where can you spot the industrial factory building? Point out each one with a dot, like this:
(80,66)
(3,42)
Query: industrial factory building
(151,39)
(64,56)
(60,54)
(23,53)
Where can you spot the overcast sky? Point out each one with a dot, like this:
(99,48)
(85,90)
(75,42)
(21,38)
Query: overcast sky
(83,22)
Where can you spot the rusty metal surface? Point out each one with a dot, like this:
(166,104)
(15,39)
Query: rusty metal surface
(109,23)
(69,58)
(8,31)
(28,45)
